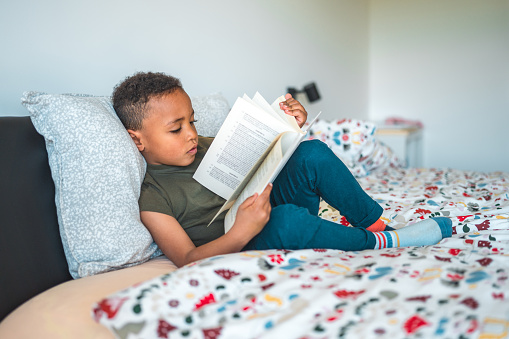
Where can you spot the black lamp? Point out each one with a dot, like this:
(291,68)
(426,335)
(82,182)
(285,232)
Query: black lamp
(310,90)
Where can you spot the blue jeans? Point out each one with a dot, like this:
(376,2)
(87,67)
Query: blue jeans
(312,172)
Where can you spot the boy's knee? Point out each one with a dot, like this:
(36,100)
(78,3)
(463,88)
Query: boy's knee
(314,150)
(314,145)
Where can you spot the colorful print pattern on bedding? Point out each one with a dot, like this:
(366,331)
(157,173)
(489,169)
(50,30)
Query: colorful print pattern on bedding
(458,288)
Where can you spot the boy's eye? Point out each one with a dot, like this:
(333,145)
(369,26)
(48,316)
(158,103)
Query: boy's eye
(176,131)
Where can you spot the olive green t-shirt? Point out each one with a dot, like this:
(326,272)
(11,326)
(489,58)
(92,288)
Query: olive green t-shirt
(172,190)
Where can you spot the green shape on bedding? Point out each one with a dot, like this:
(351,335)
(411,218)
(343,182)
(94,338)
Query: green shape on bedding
(389,294)
(127,329)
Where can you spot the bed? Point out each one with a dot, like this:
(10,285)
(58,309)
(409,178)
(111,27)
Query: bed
(458,288)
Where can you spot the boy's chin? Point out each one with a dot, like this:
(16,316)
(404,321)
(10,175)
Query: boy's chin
(188,161)
(181,163)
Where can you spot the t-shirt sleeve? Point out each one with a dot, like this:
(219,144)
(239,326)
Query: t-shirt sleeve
(152,199)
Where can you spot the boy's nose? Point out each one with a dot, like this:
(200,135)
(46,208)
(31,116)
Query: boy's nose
(192,133)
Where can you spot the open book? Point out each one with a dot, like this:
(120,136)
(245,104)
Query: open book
(250,149)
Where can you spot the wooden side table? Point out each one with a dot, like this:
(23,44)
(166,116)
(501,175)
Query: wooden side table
(405,141)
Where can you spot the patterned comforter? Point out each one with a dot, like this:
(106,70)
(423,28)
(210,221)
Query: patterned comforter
(458,288)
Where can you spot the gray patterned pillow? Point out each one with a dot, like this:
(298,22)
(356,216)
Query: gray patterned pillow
(98,172)
(210,111)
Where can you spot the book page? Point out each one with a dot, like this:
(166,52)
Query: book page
(259,101)
(244,137)
(249,177)
(266,173)
(262,103)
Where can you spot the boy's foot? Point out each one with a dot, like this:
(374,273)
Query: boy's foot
(423,233)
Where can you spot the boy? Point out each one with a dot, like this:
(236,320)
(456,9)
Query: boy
(176,209)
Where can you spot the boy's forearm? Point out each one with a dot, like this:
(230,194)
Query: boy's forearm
(228,243)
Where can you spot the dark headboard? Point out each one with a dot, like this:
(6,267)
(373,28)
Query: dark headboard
(31,253)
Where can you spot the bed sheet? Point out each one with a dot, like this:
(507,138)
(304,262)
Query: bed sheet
(458,288)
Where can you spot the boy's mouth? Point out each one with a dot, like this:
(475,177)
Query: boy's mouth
(193,150)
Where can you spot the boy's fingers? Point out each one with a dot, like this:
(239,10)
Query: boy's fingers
(289,102)
(294,112)
(249,201)
(266,192)
(289,107)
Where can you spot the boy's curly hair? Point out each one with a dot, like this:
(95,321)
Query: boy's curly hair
(130,97)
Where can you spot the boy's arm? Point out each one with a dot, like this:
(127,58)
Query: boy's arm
(169,235)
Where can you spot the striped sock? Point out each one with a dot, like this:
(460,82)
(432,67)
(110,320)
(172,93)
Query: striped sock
(423,233)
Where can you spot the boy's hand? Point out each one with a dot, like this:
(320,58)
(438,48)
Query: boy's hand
(294,108)
(253,214)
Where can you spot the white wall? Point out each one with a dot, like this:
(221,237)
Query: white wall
(232,46)
(446,63)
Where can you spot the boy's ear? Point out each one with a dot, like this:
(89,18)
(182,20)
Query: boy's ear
(136,136)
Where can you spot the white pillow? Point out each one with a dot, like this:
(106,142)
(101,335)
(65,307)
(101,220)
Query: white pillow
(98,172)
(210,111)
(354,142)
(347,137)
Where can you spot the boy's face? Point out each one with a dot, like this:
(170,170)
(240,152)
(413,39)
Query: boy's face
(168,135)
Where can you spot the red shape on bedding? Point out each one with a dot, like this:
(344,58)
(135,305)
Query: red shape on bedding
(462,218)
(455,277)
(422,298)
(227,274)
(320,250)
(164,328)
(474,325)
(414,323)
(108,307)
(498,295)
(485,261)
(276,258)
(208,299)
(484,243)
(212,333)
(422,211)
(343,294)
(430,191)
(454,251)
(483,226)
(266,287)
(470,302)
(344,222)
